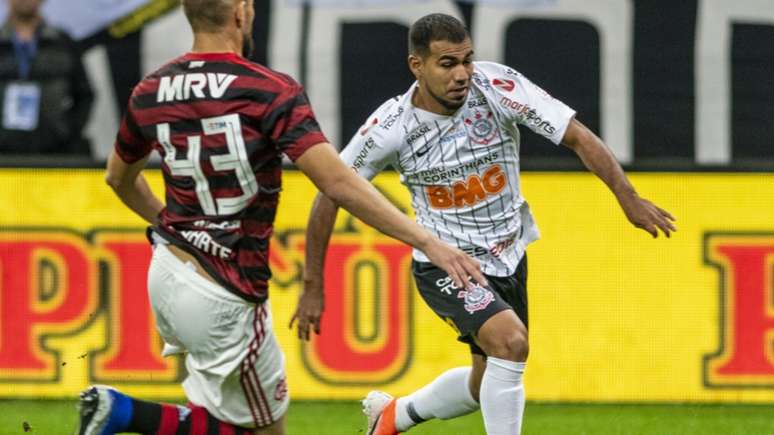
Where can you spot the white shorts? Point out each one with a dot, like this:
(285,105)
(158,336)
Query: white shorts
(236,369)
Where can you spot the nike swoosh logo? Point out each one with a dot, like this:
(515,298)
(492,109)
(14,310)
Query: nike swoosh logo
(423,151)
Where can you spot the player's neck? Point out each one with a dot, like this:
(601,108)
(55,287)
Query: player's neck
(423,100)
(216,43)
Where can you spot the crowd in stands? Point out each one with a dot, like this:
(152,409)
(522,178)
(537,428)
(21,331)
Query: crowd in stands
(45,94)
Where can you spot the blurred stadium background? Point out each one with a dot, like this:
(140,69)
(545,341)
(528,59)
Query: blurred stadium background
(628,334)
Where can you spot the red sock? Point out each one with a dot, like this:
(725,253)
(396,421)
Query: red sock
(164,419)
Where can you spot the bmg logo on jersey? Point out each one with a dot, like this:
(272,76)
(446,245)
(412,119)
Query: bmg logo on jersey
(474,189)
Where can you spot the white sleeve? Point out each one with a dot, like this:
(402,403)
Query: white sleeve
(373,147)
(523,102)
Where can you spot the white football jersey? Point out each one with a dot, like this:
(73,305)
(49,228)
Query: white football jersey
(463,170)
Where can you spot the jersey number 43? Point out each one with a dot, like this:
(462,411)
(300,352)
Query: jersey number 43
(235,160)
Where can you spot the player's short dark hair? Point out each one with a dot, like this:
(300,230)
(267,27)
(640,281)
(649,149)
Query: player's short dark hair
(435,27)
(207,15)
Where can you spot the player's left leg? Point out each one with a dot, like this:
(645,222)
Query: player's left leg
(504,338)
(105,411)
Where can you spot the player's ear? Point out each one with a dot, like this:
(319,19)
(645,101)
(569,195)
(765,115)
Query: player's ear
(240,14)
(415,64)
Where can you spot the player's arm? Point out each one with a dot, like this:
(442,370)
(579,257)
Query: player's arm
(318,234)
(126,161)
(344,187)
(601,161)
(131,187)
(341,186)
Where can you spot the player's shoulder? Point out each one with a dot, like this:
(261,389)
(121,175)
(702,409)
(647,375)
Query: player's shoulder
(172,66)
(496,80)
(389,105)
(149,84)
(494,77)
(387,119)
(279,79)
(493,70)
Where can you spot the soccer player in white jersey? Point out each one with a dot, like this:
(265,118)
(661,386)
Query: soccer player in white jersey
(453,139)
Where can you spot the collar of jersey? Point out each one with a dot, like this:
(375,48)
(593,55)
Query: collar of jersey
(212,56)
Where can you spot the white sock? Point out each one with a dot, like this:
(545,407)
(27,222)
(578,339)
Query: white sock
(448,396)
(502,396)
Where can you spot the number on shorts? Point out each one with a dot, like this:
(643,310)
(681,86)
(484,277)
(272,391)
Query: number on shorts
(235,160)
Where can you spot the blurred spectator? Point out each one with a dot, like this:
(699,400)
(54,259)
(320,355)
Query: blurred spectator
(45,96)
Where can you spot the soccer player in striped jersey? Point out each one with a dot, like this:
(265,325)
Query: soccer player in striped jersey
(454,140)
(221,125)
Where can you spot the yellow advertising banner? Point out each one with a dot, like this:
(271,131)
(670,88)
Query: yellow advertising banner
(614,314)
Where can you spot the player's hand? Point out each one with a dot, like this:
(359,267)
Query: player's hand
(646,215)
(456,263)
(311,304)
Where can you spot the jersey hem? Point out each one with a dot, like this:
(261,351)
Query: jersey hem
(203,262)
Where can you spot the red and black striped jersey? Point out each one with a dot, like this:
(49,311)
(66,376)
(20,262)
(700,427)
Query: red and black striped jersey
(221,125)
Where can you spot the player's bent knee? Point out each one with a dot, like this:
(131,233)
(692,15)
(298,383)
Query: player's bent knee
(510,345)
(504,336)
(513,346)
(518,346)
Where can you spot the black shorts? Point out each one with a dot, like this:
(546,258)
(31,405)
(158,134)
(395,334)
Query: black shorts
(467,310)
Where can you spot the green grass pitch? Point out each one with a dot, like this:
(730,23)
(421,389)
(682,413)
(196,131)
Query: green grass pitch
(344,418)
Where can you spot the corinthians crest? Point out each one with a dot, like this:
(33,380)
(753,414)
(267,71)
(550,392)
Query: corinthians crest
(476,299)
(482,127)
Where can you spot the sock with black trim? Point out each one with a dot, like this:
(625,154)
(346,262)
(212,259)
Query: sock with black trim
(446,397)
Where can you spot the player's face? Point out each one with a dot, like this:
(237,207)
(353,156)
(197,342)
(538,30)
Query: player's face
(445,73)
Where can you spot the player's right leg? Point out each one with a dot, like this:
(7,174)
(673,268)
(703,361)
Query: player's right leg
(234,363)
(456,392)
